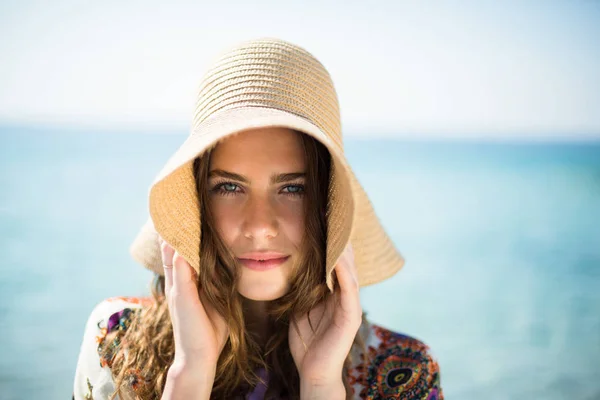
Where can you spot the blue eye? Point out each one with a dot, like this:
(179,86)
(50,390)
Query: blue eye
(298,190)
(229,189)
(225,188)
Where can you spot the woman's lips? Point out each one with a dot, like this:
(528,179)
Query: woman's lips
(263,265)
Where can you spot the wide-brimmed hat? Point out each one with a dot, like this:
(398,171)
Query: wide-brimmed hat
(257,84)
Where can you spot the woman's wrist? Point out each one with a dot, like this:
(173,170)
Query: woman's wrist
(330,390)
(185,381)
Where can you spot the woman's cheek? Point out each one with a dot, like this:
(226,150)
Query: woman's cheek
(294,223)
(226,221)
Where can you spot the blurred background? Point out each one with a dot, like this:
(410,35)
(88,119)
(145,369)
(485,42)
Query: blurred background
(474,127)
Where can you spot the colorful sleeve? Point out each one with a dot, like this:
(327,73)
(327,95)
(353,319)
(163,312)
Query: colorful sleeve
(399,367)
(93,378)
(408,371)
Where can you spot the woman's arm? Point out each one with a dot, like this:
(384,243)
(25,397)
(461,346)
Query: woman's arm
(189,383)
(329,391)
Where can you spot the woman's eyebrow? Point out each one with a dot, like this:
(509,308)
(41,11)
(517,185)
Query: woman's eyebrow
(275,178)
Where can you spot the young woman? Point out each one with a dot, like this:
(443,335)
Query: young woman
(260,237)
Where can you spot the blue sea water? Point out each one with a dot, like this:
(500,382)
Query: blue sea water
(501,240)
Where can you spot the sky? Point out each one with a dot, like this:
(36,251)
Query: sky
(493,69)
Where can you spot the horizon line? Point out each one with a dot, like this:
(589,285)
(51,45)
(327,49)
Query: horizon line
(512,135)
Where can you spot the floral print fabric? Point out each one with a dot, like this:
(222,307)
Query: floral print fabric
(395,366)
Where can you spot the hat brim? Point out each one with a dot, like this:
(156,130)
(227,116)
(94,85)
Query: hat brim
(175,212)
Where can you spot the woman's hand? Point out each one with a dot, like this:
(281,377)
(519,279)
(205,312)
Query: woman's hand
(200,332)
(336,322)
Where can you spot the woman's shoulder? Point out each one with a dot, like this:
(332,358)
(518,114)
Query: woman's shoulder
(396,366)
(93,378)
(118,303)
(115,314)
(102,318)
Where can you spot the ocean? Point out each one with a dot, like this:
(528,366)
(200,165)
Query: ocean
(501,241)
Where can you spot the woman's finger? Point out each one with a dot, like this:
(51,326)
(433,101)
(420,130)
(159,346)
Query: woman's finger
(184,282)
(184,294)
(182,276)
(348,297)
(346,272)
(167,261)
(348,284)
(352,264)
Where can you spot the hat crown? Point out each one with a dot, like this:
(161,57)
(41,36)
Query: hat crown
(275,74)
(266,83)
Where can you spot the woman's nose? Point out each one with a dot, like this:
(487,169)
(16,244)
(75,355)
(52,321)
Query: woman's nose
(260,219)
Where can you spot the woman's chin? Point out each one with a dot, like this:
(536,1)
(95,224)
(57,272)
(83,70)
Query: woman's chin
(263,292)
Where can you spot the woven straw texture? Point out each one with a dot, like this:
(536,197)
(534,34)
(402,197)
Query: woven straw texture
(266,83)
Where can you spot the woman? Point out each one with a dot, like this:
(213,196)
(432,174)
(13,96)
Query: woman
(260,237)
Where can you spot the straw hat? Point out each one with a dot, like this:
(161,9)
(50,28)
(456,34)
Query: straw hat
(266,83)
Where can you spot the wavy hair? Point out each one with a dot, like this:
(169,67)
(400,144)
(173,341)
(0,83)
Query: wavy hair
(146,349)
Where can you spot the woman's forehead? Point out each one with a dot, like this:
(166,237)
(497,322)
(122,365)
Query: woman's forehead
(266,147)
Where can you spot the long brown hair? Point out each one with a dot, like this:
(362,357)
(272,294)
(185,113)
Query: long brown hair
(149,338)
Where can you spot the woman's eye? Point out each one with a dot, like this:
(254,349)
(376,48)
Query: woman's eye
(225,188)
(228,188)
(295,190)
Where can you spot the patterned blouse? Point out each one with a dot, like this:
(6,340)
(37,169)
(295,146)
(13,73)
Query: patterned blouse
(401,367)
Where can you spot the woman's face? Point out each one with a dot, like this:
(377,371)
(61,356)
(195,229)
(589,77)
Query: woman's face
(256,190)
